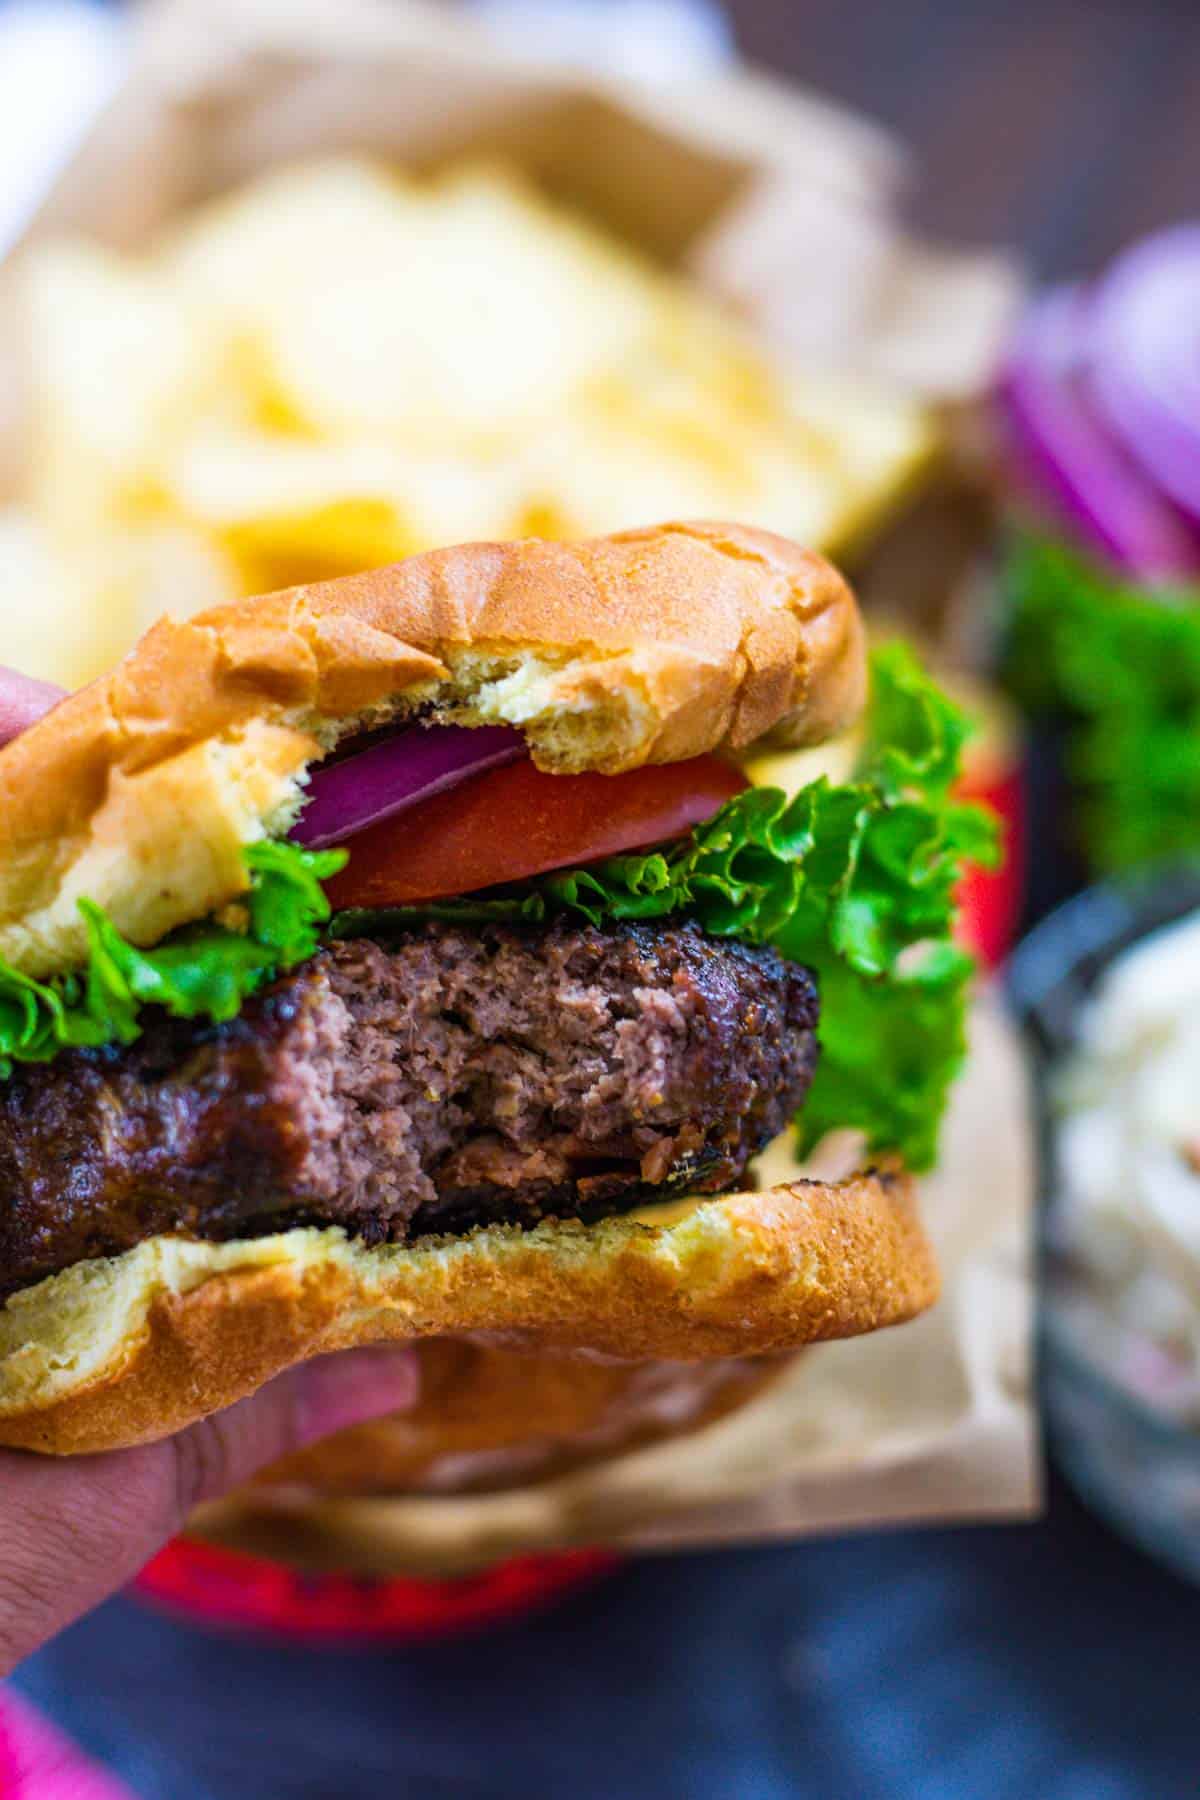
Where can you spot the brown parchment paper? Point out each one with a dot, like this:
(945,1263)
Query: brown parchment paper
(787,205)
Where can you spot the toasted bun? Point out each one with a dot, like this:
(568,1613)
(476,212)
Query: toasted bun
(489,1416)
(121,1352)
(141,790)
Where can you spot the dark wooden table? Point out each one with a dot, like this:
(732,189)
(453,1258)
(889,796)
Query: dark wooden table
(1061,127)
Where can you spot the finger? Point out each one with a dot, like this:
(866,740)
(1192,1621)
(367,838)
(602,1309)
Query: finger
(22,701)
(74,1531)
(297,1409)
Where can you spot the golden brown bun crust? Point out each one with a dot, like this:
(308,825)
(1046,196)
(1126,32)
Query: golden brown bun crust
(120,1353)
(488,1417)
(652,646)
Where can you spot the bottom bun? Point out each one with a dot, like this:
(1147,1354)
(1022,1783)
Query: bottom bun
(490,1417)
(122,1351)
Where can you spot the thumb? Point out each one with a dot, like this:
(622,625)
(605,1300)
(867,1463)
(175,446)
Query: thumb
(73,1531)
(298,1408)
(22,701)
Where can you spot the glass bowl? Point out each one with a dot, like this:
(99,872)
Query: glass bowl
(1132,1464)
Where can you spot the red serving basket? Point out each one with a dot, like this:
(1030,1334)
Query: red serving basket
(213,1586)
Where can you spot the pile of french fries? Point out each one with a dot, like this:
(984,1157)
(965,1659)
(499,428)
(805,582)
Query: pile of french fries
(337,366)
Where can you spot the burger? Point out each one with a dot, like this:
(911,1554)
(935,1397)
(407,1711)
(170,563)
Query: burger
(410,957)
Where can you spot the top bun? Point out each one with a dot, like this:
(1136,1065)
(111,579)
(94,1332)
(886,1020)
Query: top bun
(141,790)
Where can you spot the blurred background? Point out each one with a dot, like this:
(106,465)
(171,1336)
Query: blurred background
(290,290)
(1063,129)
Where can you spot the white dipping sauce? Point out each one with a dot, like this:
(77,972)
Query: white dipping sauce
(1126,1217)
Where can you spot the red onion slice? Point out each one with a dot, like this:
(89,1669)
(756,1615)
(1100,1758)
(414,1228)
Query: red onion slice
(1069,455)
(393,775)
(1144,359)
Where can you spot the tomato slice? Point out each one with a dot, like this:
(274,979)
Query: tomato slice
(513,822)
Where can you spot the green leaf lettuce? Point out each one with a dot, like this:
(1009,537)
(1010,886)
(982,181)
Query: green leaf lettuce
(205,971)
(1124,664)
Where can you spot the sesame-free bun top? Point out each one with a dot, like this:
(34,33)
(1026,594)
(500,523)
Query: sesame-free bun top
(141,791)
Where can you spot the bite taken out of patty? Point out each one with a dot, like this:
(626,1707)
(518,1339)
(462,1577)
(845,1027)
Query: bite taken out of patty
(449,1077)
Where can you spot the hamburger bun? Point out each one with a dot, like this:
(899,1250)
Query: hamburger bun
(141,791)
(490,1417)
(127,1349)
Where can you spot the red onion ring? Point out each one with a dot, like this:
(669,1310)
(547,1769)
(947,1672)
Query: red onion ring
(1144,359)
(391,776)
(1069,455)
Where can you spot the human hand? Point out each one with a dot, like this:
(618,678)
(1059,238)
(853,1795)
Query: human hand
(73,1531)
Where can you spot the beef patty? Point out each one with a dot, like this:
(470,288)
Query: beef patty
(446,1078)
